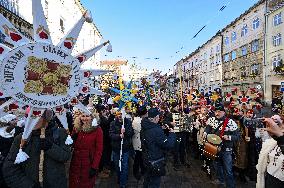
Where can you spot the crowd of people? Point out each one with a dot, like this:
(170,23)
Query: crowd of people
(230,143)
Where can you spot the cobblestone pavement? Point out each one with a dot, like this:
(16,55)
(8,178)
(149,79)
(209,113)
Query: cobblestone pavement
(192,177)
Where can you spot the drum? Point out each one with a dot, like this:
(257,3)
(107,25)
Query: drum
(211,147)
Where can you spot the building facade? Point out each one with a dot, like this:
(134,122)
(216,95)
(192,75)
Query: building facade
(10,11)
(202,69)
(274,65)
(210,64)
(61,16)
(187,70)
(111,79)
(243,50)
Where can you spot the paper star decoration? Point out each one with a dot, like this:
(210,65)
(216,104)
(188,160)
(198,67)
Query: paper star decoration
(43,75)
(126,95)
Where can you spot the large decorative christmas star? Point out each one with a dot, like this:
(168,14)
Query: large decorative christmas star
(126,95)
(42,75)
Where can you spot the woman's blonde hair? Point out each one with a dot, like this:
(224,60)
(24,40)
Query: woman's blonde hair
(77,119)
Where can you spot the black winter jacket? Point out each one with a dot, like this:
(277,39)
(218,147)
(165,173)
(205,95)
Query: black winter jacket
(154,141)
(26,174)
(114,132)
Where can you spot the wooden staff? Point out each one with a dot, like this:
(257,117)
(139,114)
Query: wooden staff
(181,97)
(121,143)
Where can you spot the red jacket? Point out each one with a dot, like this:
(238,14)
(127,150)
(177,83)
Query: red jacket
(87,154)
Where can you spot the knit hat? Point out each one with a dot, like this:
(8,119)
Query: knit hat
(153,112)
(142,110)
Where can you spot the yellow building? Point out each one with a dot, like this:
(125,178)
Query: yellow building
(274,65)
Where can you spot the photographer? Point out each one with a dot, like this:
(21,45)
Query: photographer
(271,158)
(154,144)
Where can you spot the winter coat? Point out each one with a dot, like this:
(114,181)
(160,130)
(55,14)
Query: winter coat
(154,141)
(87,154)
(26,174)
(231,129)
(263,160)
(115,131)
(136,124)
(105,125)
(5,144)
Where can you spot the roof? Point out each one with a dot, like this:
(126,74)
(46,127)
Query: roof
(244,14)
(114,62)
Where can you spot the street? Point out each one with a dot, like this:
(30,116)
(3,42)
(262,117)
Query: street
(192,177)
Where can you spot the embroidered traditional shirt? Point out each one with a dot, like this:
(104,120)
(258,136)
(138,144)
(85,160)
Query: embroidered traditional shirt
(276,163)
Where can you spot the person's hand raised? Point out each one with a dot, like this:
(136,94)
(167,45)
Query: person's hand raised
(272,128)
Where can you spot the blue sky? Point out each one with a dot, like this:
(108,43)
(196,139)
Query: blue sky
(159,28)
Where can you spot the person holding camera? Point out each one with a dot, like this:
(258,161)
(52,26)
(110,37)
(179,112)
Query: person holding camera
(270,165)
(154,144)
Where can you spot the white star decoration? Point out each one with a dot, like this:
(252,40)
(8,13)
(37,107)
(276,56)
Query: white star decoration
(42,75)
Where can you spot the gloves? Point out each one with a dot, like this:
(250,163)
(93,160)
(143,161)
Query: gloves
(92,172)
(74,136)
(45,144)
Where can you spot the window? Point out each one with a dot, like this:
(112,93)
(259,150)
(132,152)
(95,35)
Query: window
(217,59)
(244,51)
(234,55)
(5,3)
(244,30)
(227,40)
(254,69)
(277,39)
(62,25)
(243,73)
(255,46)
(255,23)
(15,6)
(277,19)
(205,56)
(218,48)
(211,62)
(234,36)
(226,57)
(276,61)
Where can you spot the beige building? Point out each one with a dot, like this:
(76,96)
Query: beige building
(111,79)
(243,50)
(202,69)
(210,64)
(187,69)
(274,65)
